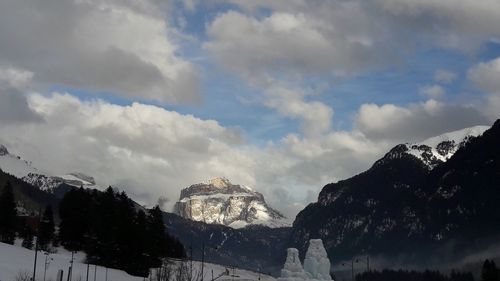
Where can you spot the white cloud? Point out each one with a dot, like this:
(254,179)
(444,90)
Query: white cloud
(123,47)
(144,149)
(415,122)
(462,25)
(486,75)
(15,78)
(290,43)
(432,91)
(128,47)
(325,37)
(444,76)
(151,152)
(315,117)
(296,42)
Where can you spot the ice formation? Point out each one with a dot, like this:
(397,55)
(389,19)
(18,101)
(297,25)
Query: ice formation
(316,264)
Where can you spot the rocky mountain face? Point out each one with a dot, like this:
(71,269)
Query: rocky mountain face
(221,202)
(44,180)
(439,197)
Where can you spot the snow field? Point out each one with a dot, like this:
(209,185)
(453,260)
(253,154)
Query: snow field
(15,259)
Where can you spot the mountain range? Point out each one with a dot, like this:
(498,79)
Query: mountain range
(431,202)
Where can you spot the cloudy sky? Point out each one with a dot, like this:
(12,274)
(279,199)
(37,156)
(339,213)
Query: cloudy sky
(281,95)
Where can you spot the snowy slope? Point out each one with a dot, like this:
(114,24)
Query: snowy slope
(439,149)
(219,201)
(44,180)
(14,165)
(15,259)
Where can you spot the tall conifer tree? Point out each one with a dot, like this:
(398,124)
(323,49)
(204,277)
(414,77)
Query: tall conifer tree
(8,215)
(46,234)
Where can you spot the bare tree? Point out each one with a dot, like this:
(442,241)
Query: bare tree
(23,275)
(176,270)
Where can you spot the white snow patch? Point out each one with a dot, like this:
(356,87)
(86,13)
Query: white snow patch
(429,154)
(456,136)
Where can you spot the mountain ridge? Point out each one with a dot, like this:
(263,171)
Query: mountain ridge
(24,170)
(402,205)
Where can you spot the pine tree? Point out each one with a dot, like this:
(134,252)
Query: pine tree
(8,215)
(157,246)
(490,271)
(73,210)
(27,236)
(46,234)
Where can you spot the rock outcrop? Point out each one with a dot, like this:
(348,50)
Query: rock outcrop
(220,202)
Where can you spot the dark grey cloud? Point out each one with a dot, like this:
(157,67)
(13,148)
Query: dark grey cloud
(416,122)
(121,47)
(14,107)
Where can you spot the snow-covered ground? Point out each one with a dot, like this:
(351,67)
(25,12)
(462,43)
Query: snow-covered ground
(15,259)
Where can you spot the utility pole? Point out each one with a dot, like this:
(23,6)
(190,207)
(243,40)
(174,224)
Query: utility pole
(202,259)
(352,269)
(47,262)
(368,263)
(70,276)
(36,243)
(95,272)
(191,262)
(87,279)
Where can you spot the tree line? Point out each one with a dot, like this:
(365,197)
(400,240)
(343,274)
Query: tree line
(411,275)
(114,232)
(108,226)
(489,272)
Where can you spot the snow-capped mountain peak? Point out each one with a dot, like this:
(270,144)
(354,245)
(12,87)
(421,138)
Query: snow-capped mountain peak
(458,136)
(218,201)
(22,169)
(435,150)
(439,149)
